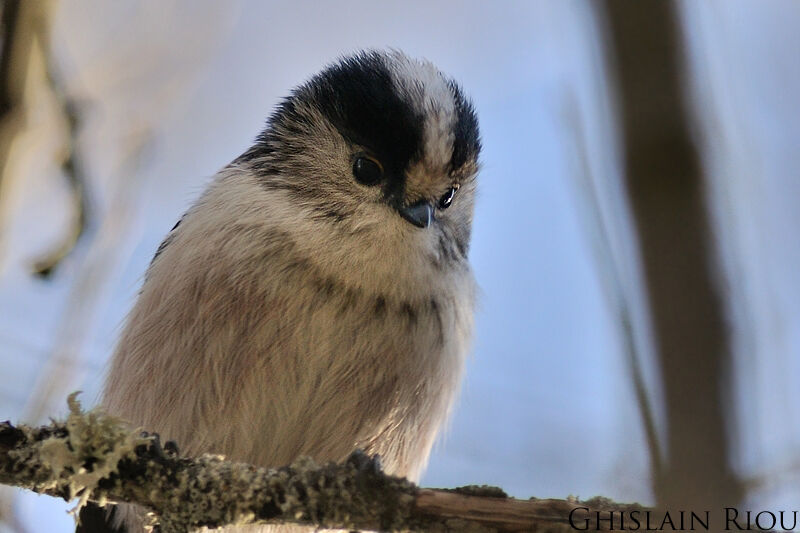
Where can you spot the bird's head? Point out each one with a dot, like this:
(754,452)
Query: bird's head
(376,140)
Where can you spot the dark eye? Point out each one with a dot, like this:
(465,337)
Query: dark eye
(447,198)
(367,171)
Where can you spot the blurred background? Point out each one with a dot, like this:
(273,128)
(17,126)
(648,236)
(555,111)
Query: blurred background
(114,116)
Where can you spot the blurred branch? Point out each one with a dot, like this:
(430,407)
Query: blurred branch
(666,192)
(787,472)
(93,456)
(18,21)
(17,42)
(25,24)
(73,170)
(611,280)
(9,519)
(71,163)
(68,358)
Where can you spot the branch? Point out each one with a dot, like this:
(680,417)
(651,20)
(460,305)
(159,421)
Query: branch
(666,191)
(94,456)
(72,160)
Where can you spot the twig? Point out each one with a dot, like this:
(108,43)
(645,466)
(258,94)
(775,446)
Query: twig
(74,172)
(611,280)
(71,160)
(22,25)
(17,43)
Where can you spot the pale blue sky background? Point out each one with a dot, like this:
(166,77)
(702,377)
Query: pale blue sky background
(547,408)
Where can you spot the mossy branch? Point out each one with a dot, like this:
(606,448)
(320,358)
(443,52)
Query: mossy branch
(94,457)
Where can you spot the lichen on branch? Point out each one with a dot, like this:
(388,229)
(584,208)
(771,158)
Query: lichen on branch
(93,456)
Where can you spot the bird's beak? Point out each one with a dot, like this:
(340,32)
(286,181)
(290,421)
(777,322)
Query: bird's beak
(420,214)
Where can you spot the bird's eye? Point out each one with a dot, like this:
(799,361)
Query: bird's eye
(447,198)
(367,171)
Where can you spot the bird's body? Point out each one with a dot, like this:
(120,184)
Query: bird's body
(315,299)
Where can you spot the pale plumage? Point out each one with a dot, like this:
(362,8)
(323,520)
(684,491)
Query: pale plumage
(317,298)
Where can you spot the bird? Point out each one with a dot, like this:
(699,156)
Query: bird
(318,297)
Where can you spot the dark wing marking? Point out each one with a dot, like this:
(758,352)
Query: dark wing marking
(167,239)
(96,519)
